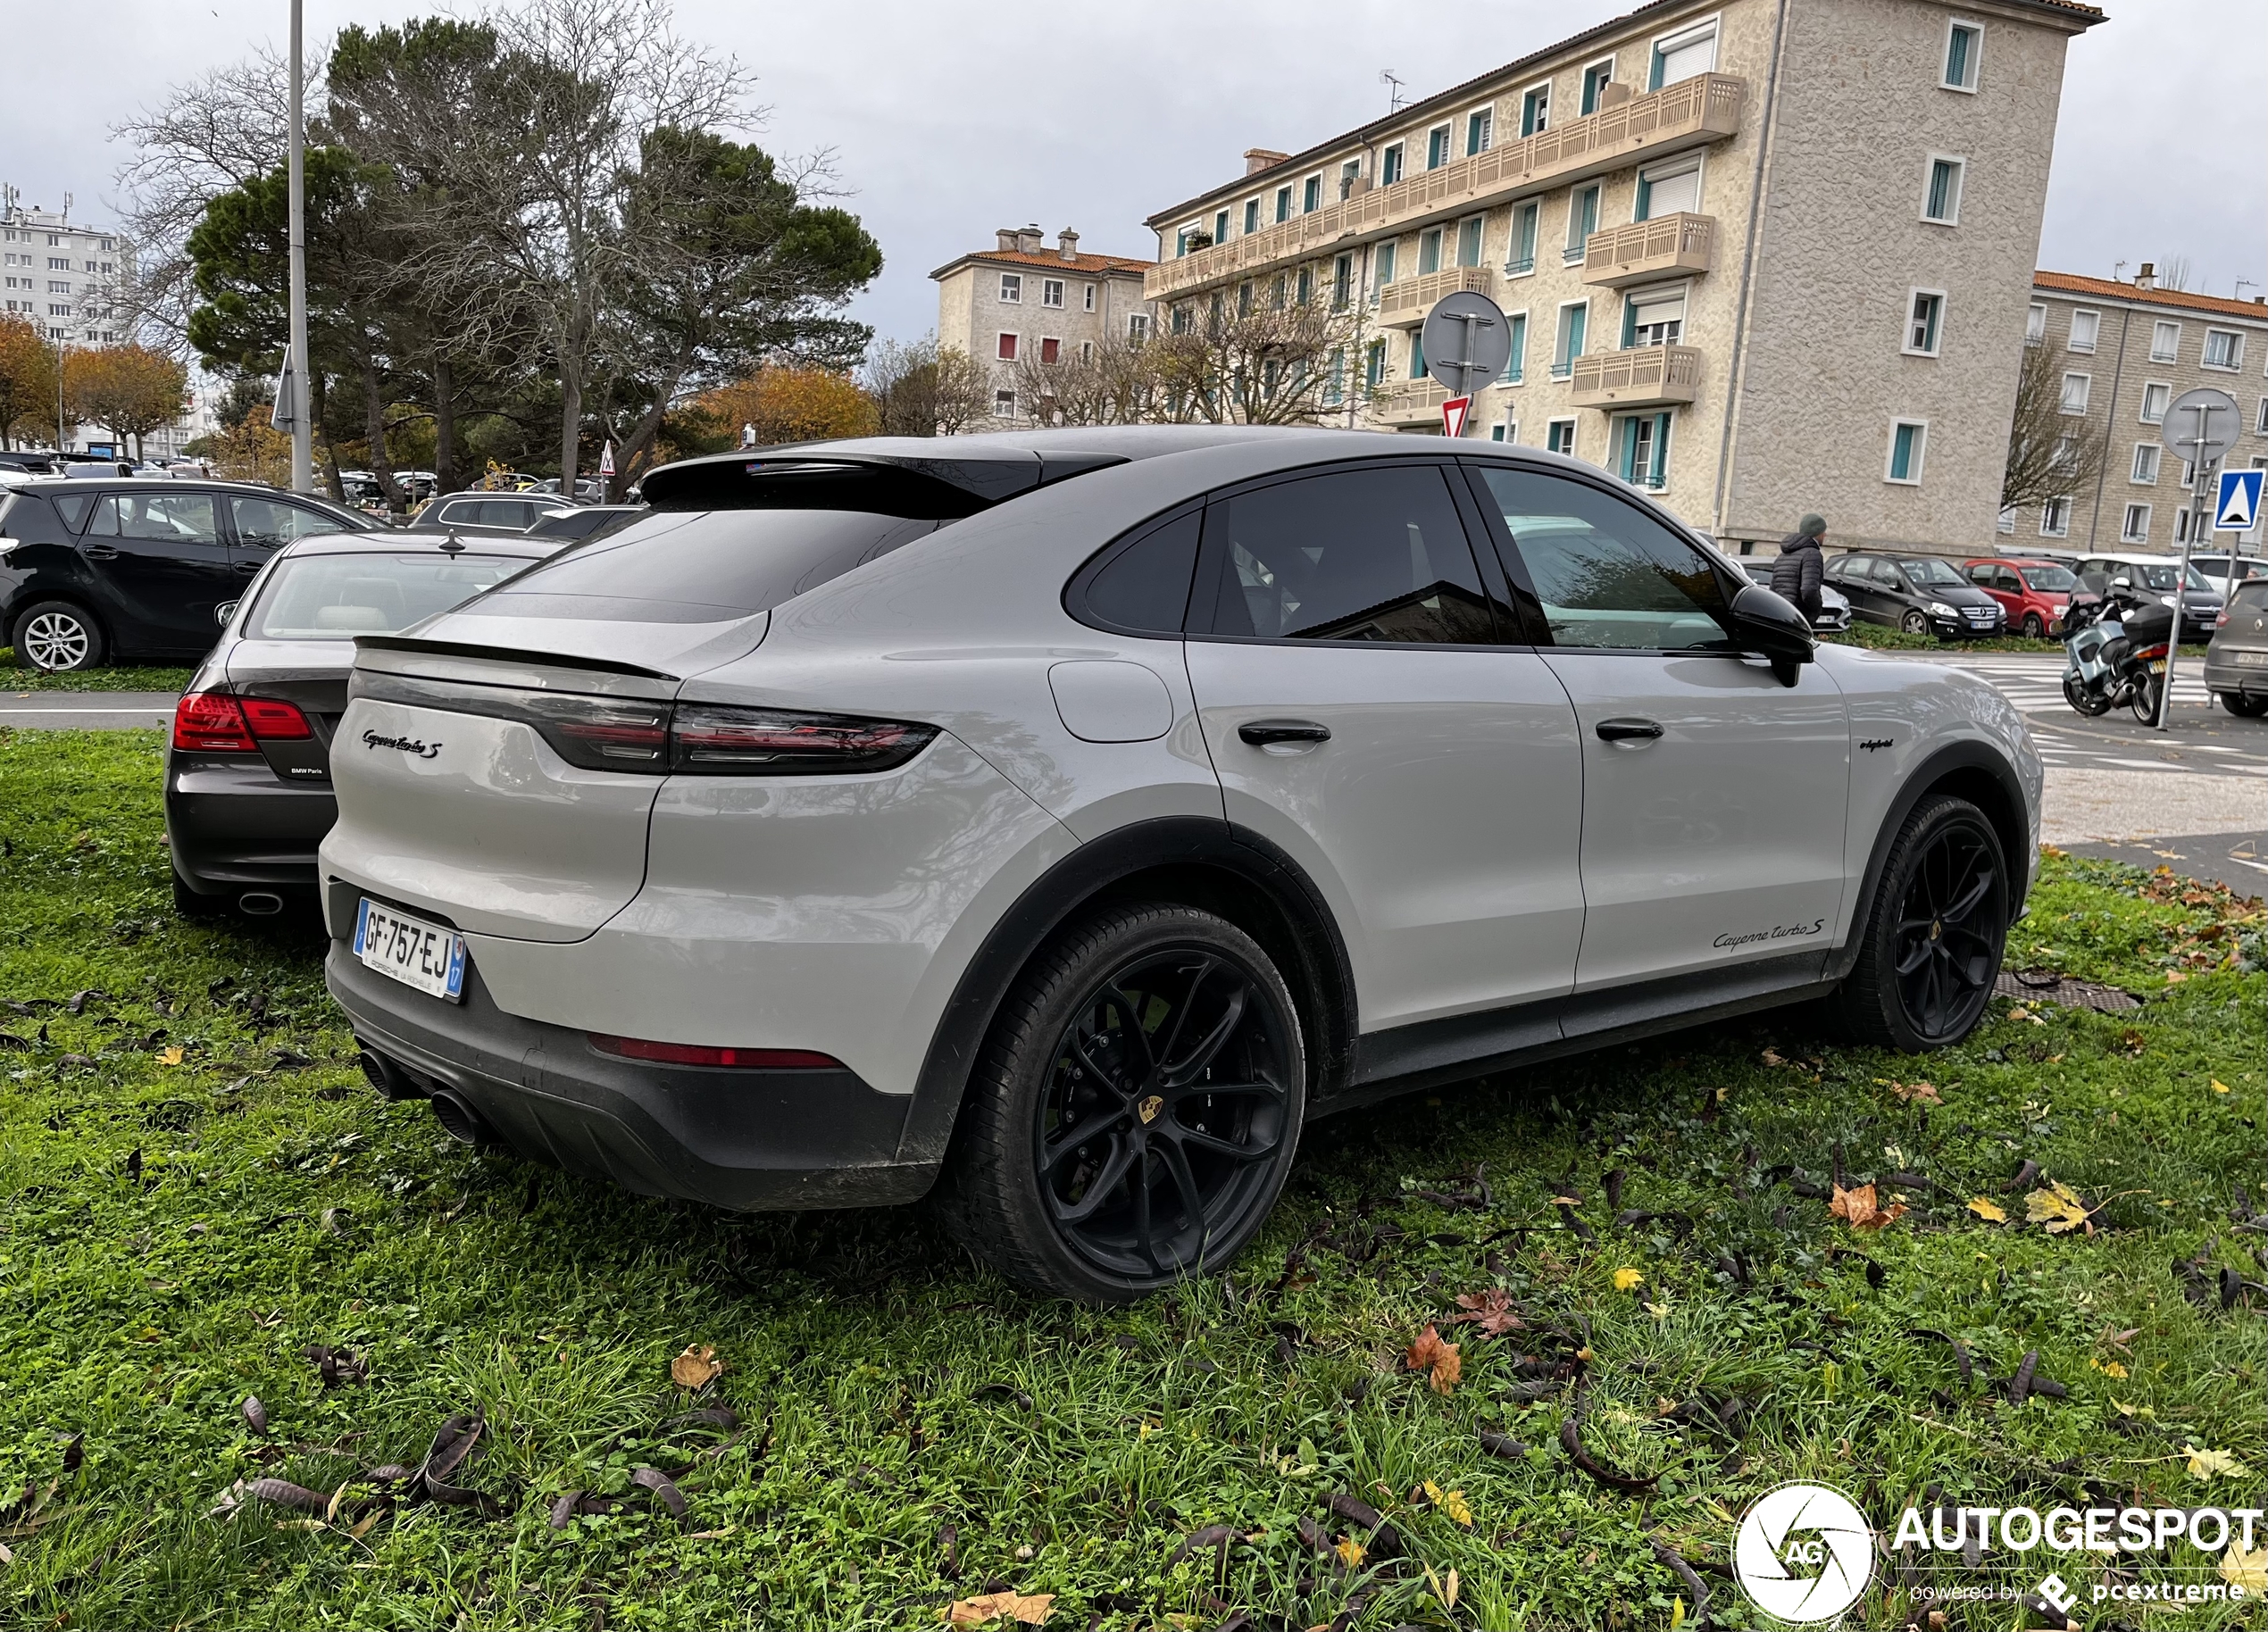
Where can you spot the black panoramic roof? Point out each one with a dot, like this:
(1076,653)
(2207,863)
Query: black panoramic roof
(937,479)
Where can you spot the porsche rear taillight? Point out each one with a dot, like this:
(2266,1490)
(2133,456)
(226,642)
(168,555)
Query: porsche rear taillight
(713,740)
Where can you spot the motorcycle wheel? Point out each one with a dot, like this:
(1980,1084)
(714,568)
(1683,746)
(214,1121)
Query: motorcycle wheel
(2144,698)
(2093,707)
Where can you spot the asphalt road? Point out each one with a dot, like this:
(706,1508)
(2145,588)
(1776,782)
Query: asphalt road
(87,710)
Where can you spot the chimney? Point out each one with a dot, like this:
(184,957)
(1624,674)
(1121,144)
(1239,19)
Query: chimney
(1007,237)
(2148,278)
(1067,243)
(1257,159)
(1028,238)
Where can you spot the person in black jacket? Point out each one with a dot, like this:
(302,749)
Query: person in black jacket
(1795,575)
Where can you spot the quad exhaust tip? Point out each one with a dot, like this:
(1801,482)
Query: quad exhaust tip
(259,903)
(391,1081)
(460,1120)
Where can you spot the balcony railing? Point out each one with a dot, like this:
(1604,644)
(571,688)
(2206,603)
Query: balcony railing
(1683,245)
(1413,402)
(1706,106)
(1403,302)
(1643,377)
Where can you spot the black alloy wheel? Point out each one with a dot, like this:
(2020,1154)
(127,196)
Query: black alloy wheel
(1932,947)
(1951,924)
(1135,1111)
(1167,1102)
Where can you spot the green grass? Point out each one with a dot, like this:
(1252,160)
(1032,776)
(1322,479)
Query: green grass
(175,1234)
(15,676)
(1881,637)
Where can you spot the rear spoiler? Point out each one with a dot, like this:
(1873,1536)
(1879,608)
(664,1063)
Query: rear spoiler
(920,486)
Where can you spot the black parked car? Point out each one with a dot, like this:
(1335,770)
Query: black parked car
(491,513)
(134,568)
(247,779)
(1923,595)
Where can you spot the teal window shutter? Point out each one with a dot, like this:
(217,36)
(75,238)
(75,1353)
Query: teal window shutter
(1661,449)
(1654,74)
(1630,321)
(1517,364)
(1579,321)
(1644,210)
(1417,355)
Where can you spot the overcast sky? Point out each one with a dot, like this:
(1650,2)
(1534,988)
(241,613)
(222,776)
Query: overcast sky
(948,121)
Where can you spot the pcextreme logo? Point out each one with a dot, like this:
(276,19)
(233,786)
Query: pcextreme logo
(1804,1553)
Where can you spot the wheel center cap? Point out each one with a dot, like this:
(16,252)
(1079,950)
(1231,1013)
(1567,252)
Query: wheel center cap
(1937,928)
(1149,1108)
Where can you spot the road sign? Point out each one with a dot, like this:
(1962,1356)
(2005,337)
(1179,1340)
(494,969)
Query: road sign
(1466,341)
(2202,425)
(1453,413)
(606,460)
(2238,505)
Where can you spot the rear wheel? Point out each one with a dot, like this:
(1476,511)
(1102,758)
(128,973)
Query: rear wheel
(2243,707)
(1915,622)
(1932,944)
(2144,698)
(57,637)
(1135,1109)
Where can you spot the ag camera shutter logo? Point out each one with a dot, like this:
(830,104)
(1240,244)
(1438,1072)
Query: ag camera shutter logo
(1804,1553)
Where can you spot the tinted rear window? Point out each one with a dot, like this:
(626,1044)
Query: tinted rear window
(702,566)
(337,597)
(2252,595)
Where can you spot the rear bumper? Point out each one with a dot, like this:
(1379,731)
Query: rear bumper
(748,1140)
(2228,677)
(231,823)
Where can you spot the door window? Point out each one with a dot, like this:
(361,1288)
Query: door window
(1607,574)
(266,523)
(169,517)
(1368,555)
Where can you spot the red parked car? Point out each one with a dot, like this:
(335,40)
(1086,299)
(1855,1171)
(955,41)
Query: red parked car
(2034,593)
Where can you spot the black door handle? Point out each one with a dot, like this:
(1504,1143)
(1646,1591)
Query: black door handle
(1628,730)
(100,552)
(1260,733)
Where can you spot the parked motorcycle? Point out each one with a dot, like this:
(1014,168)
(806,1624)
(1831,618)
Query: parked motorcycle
(2117,652)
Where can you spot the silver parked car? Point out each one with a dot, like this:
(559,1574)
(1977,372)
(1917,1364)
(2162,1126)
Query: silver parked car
(1834,608)
(1064,818)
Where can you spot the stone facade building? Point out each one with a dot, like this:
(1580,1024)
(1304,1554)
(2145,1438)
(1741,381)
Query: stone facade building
(2123,351)
(1760,256)
(1022,301)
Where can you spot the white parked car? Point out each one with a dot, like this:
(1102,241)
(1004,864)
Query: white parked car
(1065,818)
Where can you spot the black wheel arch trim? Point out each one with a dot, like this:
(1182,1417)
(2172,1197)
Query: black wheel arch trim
(1242,863)
(2012,822)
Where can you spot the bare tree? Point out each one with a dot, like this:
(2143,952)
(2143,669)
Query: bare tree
(922,389)
(1114,383)
(1267,361)
(2051,454)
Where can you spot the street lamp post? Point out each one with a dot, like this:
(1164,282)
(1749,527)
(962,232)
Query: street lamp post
(303,449)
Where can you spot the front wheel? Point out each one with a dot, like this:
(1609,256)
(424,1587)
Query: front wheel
(1134,1113)
(2086,702)
(2144,698)
(1932,947)
(1915,622)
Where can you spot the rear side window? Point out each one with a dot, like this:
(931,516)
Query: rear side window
(1142,587)
(702,566)
(1377,555)
(74,507)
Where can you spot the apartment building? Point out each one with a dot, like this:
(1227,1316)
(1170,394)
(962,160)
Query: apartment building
(67,276)
(1759,256)
(1022,301)
(2124,351)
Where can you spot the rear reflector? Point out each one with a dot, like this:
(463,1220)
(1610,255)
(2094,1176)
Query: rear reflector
(211,722)
(698,1054)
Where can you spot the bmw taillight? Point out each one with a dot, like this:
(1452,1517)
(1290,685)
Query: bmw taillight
(701,1053)
(211,722)
(271,719)
(657,739)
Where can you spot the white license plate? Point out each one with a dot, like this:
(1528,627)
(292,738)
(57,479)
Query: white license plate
(411,951)
(2249,660)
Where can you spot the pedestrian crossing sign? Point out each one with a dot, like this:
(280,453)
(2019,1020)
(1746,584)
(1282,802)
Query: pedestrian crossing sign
(2239,506)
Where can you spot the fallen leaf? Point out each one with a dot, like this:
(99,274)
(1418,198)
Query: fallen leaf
(2220,1087)
(2108,1368)
(2206,1464)
(1624,1279)
(1452,1503)
(254,1413)
(1771,1057)
(172,1056)
(1988,1209)
(2059,1207)
(1660,1311)
(1859,1209)
(1491,1311)
(1430,1354)
(1032,1610)
(2174,976)
(696,1368)
(1917,1093)
(1350,1552)
(2249,1571)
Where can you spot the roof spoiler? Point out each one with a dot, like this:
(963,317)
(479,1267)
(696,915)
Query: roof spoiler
(919,486)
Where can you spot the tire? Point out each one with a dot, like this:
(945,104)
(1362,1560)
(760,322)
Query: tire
(1915,622)
(2035,627)
(1934,936)
(2093,707)
(2242,707)
(1168,1197)
(189,903)
(2144,698)
(57,637)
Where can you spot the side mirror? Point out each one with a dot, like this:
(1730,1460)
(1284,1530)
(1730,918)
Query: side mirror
(2121,583)
(1762,619)
(224,612)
